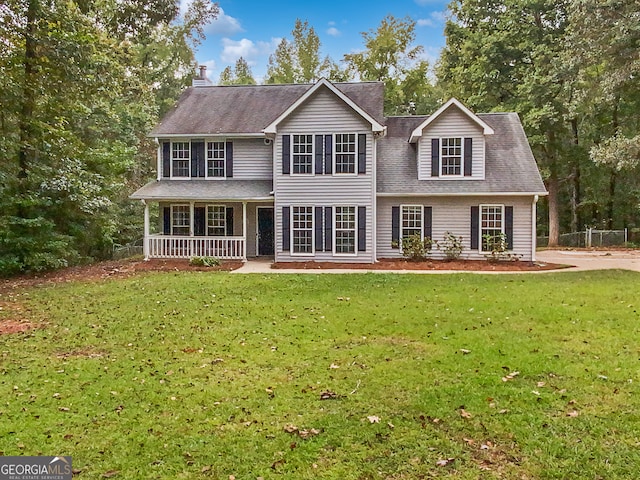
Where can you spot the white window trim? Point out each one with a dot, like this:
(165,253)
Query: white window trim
(206,159)
(355,232)
(447,175)
(313,229)
(502,222)
(334,153)
(172,176)
(402,207)
(224,207)
(313,156)
(173,205)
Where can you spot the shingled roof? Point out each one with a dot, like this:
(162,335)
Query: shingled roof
(510,166)
(248,109)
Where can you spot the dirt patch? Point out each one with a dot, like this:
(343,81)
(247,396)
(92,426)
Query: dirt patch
(401,264)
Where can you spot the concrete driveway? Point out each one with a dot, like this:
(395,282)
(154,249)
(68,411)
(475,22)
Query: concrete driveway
(592,260)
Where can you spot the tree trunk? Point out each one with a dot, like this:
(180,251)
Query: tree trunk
(576,225)
(25,153)
(611,203)
(554,222)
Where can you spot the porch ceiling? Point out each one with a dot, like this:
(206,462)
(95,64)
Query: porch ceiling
(167,190)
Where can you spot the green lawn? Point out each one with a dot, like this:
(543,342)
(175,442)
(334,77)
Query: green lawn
(211,375)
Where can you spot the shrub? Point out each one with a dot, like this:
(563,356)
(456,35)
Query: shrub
(497,246)
(205,261)
(416,248)
(451,246)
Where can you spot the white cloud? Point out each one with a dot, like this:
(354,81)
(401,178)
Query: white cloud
(332,23)
(247,49)
(436,18)
(223,24)
(333,31)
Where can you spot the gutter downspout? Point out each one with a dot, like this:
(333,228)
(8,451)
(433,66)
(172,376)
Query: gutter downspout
(533,228)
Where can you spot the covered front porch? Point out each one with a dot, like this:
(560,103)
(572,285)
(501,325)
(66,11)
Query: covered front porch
(217,224)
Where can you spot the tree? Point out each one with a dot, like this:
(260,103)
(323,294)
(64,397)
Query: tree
(391,57)
(299,61)
(241,75)
(507,55)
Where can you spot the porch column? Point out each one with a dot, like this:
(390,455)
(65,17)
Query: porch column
(244,230)
(191,241)
(145,242)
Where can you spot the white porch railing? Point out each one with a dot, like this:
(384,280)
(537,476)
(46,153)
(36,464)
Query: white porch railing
(166,246)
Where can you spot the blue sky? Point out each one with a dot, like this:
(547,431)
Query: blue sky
(252,29)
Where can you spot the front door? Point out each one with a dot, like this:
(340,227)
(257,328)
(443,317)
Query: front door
(265,231)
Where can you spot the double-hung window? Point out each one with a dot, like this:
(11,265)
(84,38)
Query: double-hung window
(345,230)
(216,220)
(451,156)
(302,154)
(216,159)
(491,226)
(302,229)
(345,153)
(180,219)
(411,220)
(180,159)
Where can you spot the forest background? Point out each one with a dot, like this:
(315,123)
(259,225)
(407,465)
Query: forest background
(83,81)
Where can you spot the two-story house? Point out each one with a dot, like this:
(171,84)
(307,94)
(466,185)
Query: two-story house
(317,172)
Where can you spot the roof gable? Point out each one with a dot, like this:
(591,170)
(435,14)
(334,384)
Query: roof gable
(417,132)
(375,125)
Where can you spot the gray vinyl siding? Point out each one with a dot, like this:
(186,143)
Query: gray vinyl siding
(324,113)
(452,123)
(453,214)
(252,159)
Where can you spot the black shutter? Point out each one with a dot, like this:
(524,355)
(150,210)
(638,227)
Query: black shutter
(286,226)
(318,228)
(475,228)
(199,221)
(362,153)
(362,229)
(229,215)
(166,220)
(508,226)
(427,222)
(435,157)
(286,155)
(328,154)
(328,229)
(319,139)
(197,159)
(229,158)
(468,162)
(395,227)
(166,159)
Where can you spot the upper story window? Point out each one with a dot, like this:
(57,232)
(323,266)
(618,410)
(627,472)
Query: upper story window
(491,226)
(345,153)
(451,156)
(216,160)
(180,219)
(302,158)
(411,220)
(345,230)
(180,159)
(302,229)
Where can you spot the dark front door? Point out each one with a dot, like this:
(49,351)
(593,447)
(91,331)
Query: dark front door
(265,231)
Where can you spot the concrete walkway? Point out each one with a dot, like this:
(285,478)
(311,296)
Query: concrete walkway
(580,261)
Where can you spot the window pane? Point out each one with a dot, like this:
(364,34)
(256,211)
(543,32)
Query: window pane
(345,147)
(180,157)
(451,156)
(411,220)
(345,228)
(302,222)
(302,153)
(491,223)
(216,220)
(180,223)
(215,159)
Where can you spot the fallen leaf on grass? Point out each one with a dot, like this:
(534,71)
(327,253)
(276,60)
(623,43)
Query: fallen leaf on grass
(511,376)
(540,384)
(573,413)
(110,473)
(445,461)
(465,351)
(333,366)
(373,419)
(465,414)
(328,395)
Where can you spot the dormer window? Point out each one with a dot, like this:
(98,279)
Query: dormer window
(180,159)
(451,156)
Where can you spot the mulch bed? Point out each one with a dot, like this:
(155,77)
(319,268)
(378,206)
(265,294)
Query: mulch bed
(401,264)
